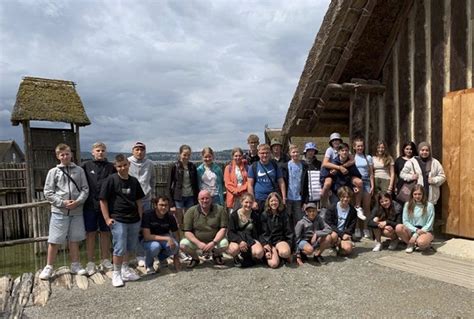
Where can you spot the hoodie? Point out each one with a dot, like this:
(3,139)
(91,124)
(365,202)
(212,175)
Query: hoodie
(144,171)
(58,187)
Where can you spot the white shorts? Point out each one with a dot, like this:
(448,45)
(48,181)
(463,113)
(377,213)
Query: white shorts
(63,228)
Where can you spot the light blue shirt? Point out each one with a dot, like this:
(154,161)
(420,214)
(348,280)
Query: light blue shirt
(341,216)
(363,163)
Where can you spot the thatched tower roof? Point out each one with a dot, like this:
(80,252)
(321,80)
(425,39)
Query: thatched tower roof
(48,100)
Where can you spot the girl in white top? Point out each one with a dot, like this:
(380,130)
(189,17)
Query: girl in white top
(384,169)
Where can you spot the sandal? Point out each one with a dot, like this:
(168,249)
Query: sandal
(193,263)
(217,260)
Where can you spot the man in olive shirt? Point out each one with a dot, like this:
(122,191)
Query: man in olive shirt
(205,226)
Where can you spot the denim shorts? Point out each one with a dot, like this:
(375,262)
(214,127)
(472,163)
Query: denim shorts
(185,202)
(94,220)
(303,243)
(124,237)
(62,228)
(366,185)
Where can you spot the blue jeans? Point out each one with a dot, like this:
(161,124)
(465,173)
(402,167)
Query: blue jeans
(124,237)
(158,248)
(185,202)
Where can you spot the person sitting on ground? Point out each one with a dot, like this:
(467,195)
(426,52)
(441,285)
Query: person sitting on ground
(384,220)
(311,184)
(426,171)
(277,235)
(143,169)
(244,228)
(342,218)
(293,173)
(205,227)
(265,177)
(384,171)
(210,176)
(235,180)
(365,165)
(97,171)
(66,189)
(350,178)
(251,156)
(418,220)
(120,203)
(160,235)
(312,235)
(277,154)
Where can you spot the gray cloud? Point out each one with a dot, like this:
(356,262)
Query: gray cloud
(162,72)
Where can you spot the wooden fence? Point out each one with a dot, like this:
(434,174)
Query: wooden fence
(458,163)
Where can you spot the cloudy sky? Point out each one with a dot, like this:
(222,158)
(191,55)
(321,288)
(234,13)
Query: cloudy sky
(199,72)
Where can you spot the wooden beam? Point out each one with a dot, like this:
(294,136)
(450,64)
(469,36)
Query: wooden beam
(401,19)
(447,46)
(30,180)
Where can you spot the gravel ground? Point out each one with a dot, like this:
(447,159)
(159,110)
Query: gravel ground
(346,287)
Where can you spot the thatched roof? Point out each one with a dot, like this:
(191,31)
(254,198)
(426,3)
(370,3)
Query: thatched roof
(10,146)
(48,100)
(353,43)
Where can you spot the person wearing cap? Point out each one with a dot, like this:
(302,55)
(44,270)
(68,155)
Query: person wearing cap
(276,146)
(313,235)
(311,185)
(142,169)
(426,170)
(251,156)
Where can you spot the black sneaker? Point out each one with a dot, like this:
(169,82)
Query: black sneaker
(193,263)
(320,260)
(237,261)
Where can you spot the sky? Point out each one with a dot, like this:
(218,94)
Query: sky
(197,72)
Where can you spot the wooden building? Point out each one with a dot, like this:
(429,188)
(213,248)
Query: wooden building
(380,68)
(10,152)
(50,100)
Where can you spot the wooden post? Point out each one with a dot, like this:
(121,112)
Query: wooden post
(427,84)
(381,114)
(447,45)
(396,101)
(357,107)
(367,121)
(30,180)
(411,71)
(78,146)
(470,43)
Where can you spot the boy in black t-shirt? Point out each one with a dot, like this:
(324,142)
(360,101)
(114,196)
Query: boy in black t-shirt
(120,203)
(160,233)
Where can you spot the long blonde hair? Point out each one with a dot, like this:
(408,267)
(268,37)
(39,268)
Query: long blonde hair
(424,200)
(386,157)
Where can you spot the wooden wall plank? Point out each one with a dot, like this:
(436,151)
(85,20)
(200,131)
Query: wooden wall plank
(373,127)
(459,50)
(358,111)
(466,209)
(451,163)
(421,116)
(403,85)
(437,76)
(390,116)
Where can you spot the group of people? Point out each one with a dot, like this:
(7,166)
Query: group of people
(264,206)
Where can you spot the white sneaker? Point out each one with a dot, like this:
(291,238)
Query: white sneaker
(378,247)
(357,233)
(76,269)
(360,213)
(129,275)
(367,234)
(46,273)
(184,256)
(90,268)
(106,264)
(141,261)
(150,270)
(393,244)
(409,249)
(117,279)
